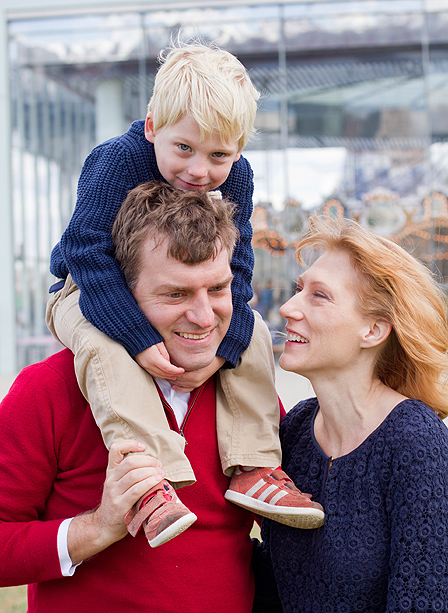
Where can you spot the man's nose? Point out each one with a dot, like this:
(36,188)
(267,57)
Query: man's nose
(201,312)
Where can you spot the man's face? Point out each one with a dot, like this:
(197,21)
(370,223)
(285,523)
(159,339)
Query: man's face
(189,305)
(187,162)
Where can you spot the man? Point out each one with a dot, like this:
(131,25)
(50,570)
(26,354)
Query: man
(63,497)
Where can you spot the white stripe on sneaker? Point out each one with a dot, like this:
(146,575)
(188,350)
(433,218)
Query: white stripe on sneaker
(269,490)
(277,497)
(259,484)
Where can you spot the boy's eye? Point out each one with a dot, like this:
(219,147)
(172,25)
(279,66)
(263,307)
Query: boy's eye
(219,154)
(183,147)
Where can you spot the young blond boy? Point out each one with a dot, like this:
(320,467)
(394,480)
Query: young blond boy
(199,119)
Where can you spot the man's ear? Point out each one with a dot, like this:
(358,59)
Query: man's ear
(149,128)
(375,333)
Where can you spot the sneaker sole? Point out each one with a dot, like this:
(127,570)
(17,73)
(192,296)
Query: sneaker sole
(174,530)
(306,518)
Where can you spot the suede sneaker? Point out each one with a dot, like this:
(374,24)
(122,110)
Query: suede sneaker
(271,493)
(161,513)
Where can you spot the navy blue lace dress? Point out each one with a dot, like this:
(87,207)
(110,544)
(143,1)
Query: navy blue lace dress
(384,545)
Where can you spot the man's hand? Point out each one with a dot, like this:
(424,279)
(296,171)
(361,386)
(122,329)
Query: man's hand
(156,361)
(193,379)
(128,478)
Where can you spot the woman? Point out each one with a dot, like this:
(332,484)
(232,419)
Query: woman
(368,328)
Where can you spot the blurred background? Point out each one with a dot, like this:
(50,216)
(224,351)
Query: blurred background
(353,121)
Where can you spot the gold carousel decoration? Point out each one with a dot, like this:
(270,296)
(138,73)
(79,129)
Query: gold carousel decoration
(270,241)
(427,238)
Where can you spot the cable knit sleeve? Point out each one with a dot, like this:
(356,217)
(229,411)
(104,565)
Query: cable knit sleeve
(86,249)
(239,188)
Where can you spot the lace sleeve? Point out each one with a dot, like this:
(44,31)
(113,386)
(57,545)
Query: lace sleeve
(418,507)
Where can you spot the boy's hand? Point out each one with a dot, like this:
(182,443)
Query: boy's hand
(156,361)
(193,379)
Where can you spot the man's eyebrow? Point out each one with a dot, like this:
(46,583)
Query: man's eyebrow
(172,288)
(225,281)
(167,287)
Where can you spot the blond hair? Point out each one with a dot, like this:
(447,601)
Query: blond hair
(209,84)
(397,288)
(195,225)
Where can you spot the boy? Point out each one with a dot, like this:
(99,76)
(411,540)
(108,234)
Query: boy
(199,119)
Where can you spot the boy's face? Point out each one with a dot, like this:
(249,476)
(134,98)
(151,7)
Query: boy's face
(186,161)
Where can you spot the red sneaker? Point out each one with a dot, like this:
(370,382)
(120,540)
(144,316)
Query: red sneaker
(271,493)
(161,513)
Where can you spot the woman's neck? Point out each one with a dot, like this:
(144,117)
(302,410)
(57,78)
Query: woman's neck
(350,411)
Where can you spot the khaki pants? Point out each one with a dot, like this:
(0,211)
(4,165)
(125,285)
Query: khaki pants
(125,402)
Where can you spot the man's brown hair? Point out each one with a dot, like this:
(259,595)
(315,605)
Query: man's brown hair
(195,225)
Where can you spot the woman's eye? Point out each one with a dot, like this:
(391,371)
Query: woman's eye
(298,289)
(175,295)
(320,295)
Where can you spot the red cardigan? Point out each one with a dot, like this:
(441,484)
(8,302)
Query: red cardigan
(52,466)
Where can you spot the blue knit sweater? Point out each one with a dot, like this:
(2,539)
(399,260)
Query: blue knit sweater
(86,250)
(384,545)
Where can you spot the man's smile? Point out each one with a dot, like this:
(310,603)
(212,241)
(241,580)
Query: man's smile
(195,337)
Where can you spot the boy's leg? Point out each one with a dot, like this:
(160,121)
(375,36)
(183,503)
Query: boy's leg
(122,396)
(247,407)
(247,422)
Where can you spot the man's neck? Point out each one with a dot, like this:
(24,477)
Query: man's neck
(178,401)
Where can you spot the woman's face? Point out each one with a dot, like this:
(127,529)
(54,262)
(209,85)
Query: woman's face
(324,326)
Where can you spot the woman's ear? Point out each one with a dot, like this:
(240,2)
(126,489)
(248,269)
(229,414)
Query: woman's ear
(375,333)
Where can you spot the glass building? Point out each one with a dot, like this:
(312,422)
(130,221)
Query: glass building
(353,120)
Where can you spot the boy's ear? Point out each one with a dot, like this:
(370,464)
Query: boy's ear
(375,333)
(237,157)
(149,128)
